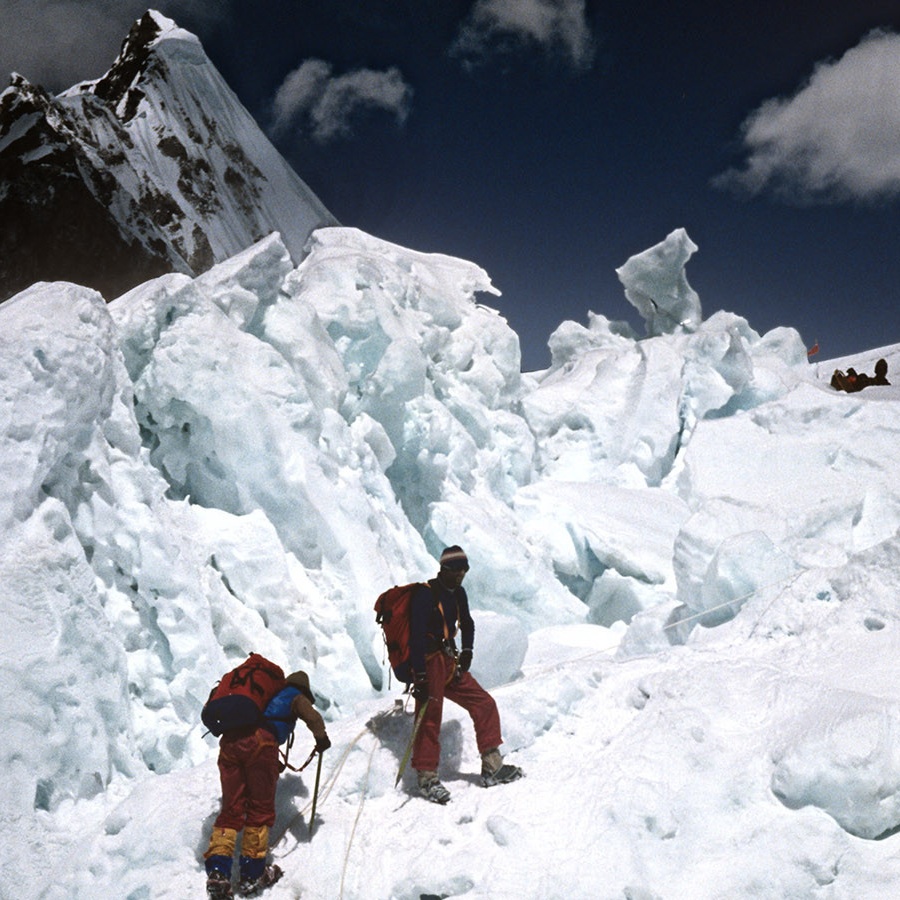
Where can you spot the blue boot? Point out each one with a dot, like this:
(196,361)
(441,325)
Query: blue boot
(256,876)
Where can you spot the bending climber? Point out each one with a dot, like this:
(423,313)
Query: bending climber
(249,769)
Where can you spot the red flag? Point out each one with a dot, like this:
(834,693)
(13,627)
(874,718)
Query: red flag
(813,350)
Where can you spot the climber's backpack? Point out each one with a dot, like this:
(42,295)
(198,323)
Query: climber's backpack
(278,713)
(392,614)
(239,699)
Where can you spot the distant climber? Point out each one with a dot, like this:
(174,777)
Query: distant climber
(845,381)
(854,381)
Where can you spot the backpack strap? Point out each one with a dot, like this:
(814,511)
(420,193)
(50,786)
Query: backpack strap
(446,641)
(440,609)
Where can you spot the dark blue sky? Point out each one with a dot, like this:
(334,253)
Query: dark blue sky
(549,162)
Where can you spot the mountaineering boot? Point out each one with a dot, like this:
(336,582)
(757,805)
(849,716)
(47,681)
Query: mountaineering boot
(218,886)
(495,771)
(250,886)
(431,788)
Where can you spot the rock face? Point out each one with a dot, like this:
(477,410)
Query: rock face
(155,167)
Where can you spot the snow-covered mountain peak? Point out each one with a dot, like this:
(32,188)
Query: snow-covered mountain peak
(17,83)
(152,38)
(158,158)
(19,98)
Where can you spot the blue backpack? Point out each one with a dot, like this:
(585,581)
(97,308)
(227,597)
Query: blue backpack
(279,719)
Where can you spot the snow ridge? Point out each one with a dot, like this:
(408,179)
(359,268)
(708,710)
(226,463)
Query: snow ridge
(158,156)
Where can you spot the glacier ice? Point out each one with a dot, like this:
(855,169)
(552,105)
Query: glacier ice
(244,460)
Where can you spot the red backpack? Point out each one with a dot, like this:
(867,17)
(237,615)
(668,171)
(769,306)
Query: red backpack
(240,698)
(392,614)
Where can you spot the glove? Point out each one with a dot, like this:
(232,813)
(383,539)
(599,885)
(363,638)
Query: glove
(465,660)
(420,689)
(322,743)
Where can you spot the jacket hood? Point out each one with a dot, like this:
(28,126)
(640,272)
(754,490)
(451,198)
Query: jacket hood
(300,680)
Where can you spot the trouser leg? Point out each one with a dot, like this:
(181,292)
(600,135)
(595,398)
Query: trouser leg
(427,750)
(262,780)
(232,774)
(482,708)
(220,853)
(261,786)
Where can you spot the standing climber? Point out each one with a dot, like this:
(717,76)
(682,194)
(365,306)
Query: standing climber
(436,609)
(249,767)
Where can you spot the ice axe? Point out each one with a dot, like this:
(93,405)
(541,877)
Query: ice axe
(312,816)
(409,746)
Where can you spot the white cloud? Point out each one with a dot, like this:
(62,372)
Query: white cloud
(311,96)
(57,43)
(836,139)
(549,24)
(300,91)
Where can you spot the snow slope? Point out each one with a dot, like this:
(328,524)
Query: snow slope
(684,551)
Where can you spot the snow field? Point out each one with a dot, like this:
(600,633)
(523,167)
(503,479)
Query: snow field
(684,552)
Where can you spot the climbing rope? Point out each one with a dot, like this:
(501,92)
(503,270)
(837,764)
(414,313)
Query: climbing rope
(372,725)
(611,648)
(325,791)
(359,810)
(276,836)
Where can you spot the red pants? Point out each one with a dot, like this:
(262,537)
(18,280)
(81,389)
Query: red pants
(248,768)
(466,692)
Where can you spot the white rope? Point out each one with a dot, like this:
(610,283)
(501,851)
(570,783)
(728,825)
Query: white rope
(323,794)
(602,651)
(359,810)
(332,780)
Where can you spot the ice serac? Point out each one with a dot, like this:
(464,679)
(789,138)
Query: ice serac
(655,284)
(809,496)
(437,375)
(157,163)
(243,459)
